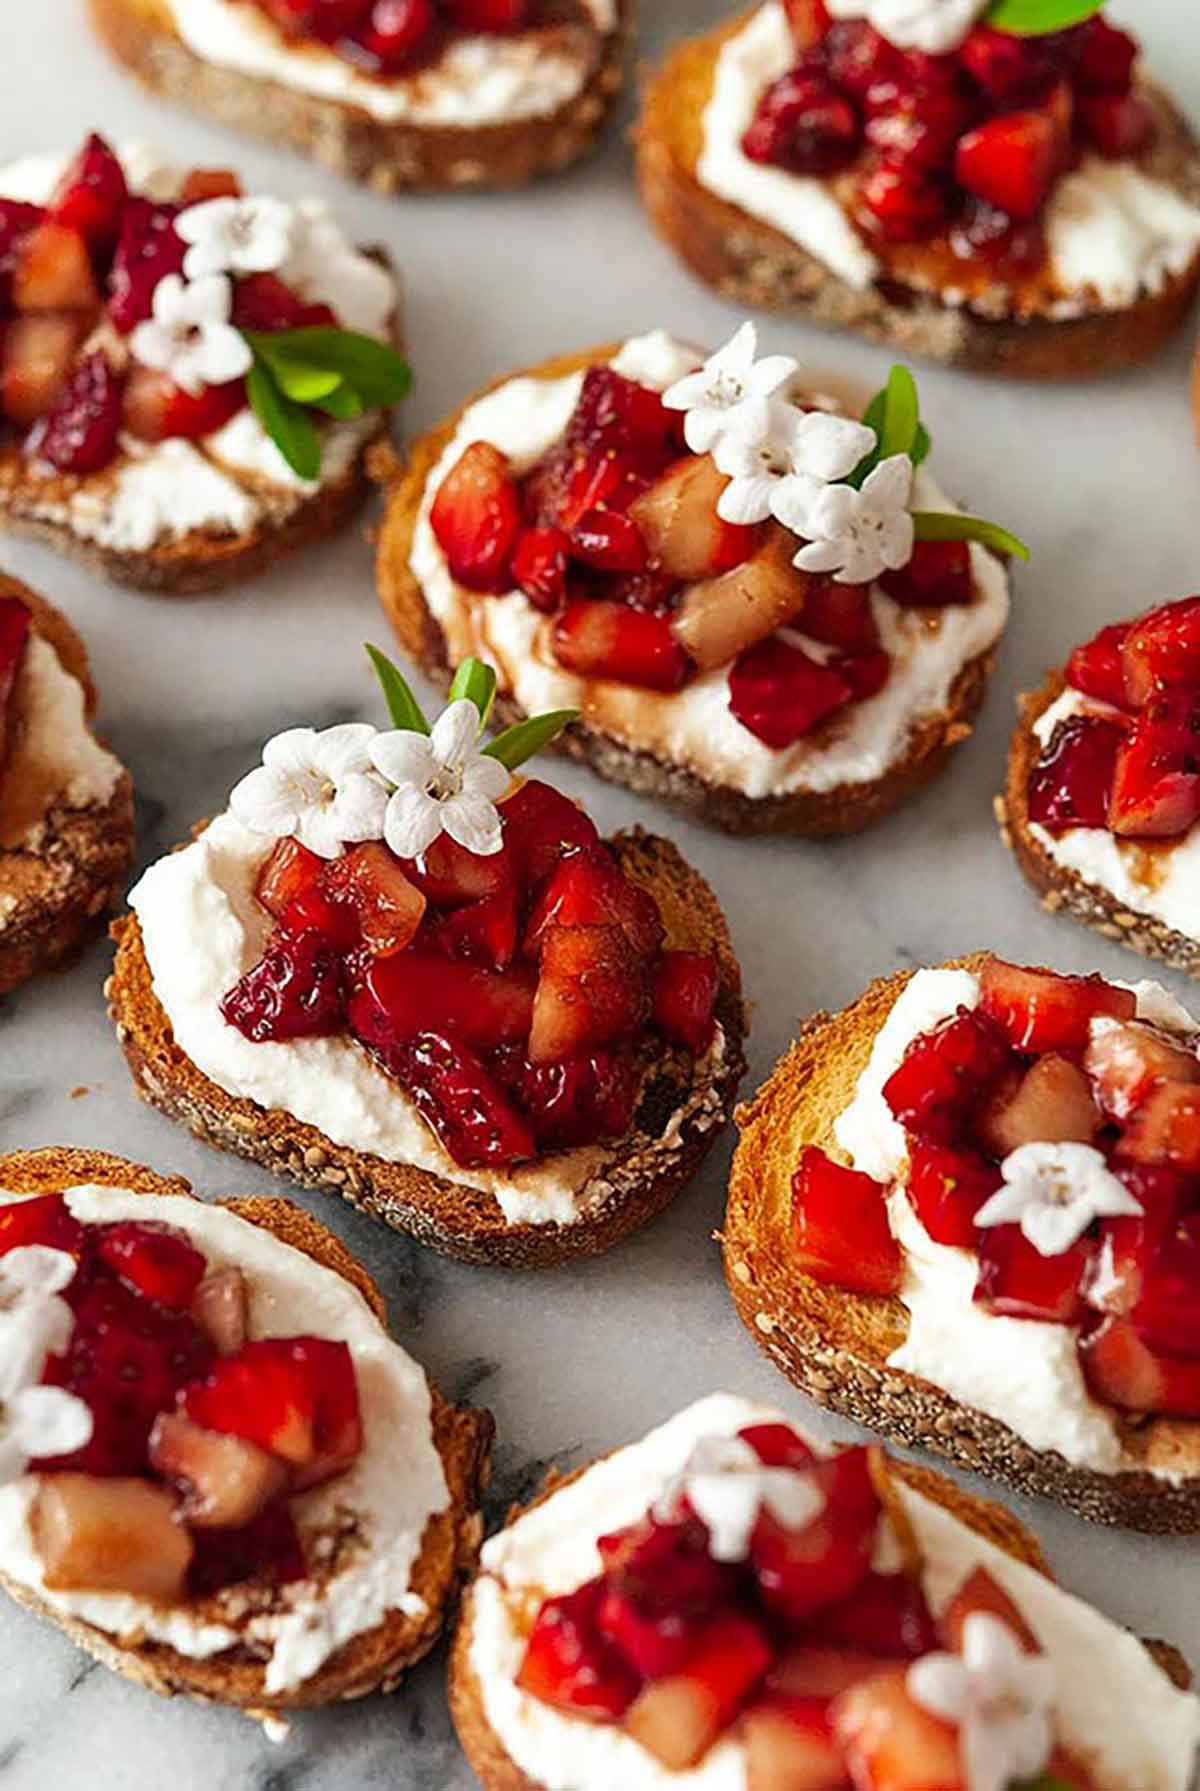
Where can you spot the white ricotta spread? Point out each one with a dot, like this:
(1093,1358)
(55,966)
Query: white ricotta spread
(394,1488)
(1160,878)
(694,727)
(53,749)
(202,929)
(477,80)
(1022,1372)
(1112,231)
(1104,1673)
(934,26)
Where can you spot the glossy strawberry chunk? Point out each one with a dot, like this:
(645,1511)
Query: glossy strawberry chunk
(980,1594)
(269,1549)
(1016,1281)
(609,541)
(589,889)
(400,995)
(813,1670)
(540,561)
(885,1615)
(1049,1103)
(1098,667)
(1167,1314)
(1006,66)
(617,413)
(802,1571)
(778,1446)
(312,911)
(52,271)
(1161,650)
(395,32)
(663,1564)
(460,1100)
(540,824)
(1039,1011)
(476,517)
(804,124)
(865,673)
(289,870)
(902,205)
(388,906)
(15,622)
(484,932)
(918,128)
(45,1220)
(1010,161)
(840,616)
(592,989)
(789,1745)
(1125,1059)
(937,576)
(296,1397)
(602,639)
(265,302)
(1117,124)
(153,1260)
(1156,777)
(571,479)
(857,57)
(570,1664)
(1129,1247)
(148,249)
(1104,57)
(155,409)
(80,433)
(653,1642)
(780,694)
(684,997)
(947,1186)
(90,197)
(719,618)
(448,875)
(1071,784)
(944,1072)
(17,221)
(294,991)
(1165,1129)
(678,1718)
(488,15)
(578,1101)
(1121,1368)
(840,1231)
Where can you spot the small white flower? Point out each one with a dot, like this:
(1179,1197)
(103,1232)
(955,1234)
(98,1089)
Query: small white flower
(763,469)
(1000,1699)
(318,788)
(726,1485)
(856,535)
(934,26)
(35,1322)
(37,1422)
(1054,1191)
(730,392)
(242,236)
(189,336)
(444,784)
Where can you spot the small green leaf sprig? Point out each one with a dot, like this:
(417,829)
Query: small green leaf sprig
(476,682)
(338,373)
(1037,18)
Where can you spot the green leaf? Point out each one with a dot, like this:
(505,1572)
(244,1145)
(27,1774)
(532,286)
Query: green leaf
(403,706)
(304,385)
(937,525)
(370,368)
(476,682)
(922,443)
(1034,18)
(341,402)
(1045,1781)
(902,414)
(517,744)
(286,423)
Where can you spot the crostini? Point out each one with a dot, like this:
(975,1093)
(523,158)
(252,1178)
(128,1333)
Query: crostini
(966,1211)
(190,377)
(395,971)
(1103,790)
(220,1474)
(726,1604)
(395,93)
(1020,204)
(765,611)
(66,804)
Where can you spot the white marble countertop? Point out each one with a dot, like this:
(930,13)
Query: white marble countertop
(1102,479)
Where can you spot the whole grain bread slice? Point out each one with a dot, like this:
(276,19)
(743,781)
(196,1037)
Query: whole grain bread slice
(57,884)
(835,1345)
(1062,890)
(755,264)
(498,1771)
(815,814)
(681,1111)
(344,138)
(374,1661)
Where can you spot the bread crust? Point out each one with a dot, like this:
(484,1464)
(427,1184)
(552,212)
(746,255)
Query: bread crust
(463,1221)
(814,814)
(345,139)
(835,1345)
(496,1769)
(1060,889)
(56,888)
(371,1662)
(752,263)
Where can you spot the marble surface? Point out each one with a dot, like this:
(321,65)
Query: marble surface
(1101,479)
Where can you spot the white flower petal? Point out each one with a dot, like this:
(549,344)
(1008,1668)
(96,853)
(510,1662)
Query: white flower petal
(404,757)
(938,1683)
(48,1421)
(291,752)
(820,556)
(773,371)
(737,356)
(317,828)
(455,733)
(265,802)
(691,390)
(703,427)
(357,811)
(746,500)
(340,751)
(474,823)
(486,777)
(35,1269)
(830,447)
(889,486)
(412,822)
(793,500)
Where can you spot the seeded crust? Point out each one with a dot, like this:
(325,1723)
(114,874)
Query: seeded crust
(56,889)
(389,158)
(497,1771)
(374,1661)
(1064,891)
(752,263)
(835,1345)
(465,1221)
(848,808)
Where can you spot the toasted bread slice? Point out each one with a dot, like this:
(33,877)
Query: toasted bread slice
(389,157)
(1062,890)
(639,1175)
(835,1345)
(816,814)
(753,263)
(371,1662)
(60,873)
(496,1769)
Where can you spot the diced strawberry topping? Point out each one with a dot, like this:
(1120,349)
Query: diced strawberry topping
(268,1549)
(1161,650)
(485,932)
(80,433)
(148,249)
(678,1718)
(312,911)
(840,616)
(1038,1011)
(570,1664)
(388,907)
(947,1188)
(721,617)
(1071,785)
(679,525)
(944,1072)
(1125,1059)
(44,1220)
(156,409)
(1006,66)
(1098,667)
(396,31)
(296,1397)
(1156,777)
(617,413)
(488,15)
(661,1563)
(294,991)
(90,197)
(1049,1103)
(289,870)
(15,624)
(684,997)
(1128,1247)
(778,1446)
(1122,1370)
(17,221)
(540,825)
(36,355)
(588,889)
(592,989)
(577,1101)
(460,1100)
(448,875)
(780,694)
(938,575)
(540,561)
(225,1481)
(53,272)
(1010,161)
(886,1615)
(265,302)
(790,1747)
(840,1230)
(1165,1129)
(802,1571)
(892,1743)
(609,541)
(1017,1281)
(602,639)
(865,673)
(153,1260)
(857,57)
(1117,124)
(902,205)
(399,996)
(1167,1313)
(804,124)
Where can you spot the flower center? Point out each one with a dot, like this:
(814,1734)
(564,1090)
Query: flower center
(444,784)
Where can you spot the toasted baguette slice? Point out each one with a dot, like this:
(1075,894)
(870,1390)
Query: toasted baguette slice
(344,138)
(57,883)
(1062,890)
(636,1181)
(816,814)
(835,1345)
(753,263)
(371,1662)
(496,1769)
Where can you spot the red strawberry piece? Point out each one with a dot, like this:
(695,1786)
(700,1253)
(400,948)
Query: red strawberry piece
(53,272)
(287,872)
(1010,161)
(45,1220)
(591,990)
(156,409)
(476,517)
(780,694)
(296,1397)
(892,1743)
(600,639)
(312,911)
(661,1563)
(1098,667)
(1162,649)
(540,824)
(1104,57)
(1117,124)
(1017,1281)
(980,1594)
(568,481)
(448,875)
(91,195)
(919,129)
(944,1072)
(209,183)
(265,302)
(588,889)
(335,19)
(372,881)
(1071,784)
(902,205)
(886,1614)
(617,413)
(1126,1059)
(1165,1129)
(840,1231)
(295,17)
(36,357)
(857,57)
(17,220)
(684,997)
(778,1446)
(839,615)
(865,673)
(460,1100)
(679,524)
(15,623)
(156,1261)
(678,1718)
(938,574)
(570,1664)
(539,567)
(1007,67)
(1167,1313)
(1039,1011)
(484,932)
(578,1101)
(1049,1103)
(812,1670)
(1156,778)
(488,15)
(294,991)
(789,1746)
(148,249)
(269,1549)
(1122,1370)
(396,31)
(654,1642)
(608,541)
(947,1187)
(405,994)
(804,124)
(800,1572)
(80,433)
(1129,1247)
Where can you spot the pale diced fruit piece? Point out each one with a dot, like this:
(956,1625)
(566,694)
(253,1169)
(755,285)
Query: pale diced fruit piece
(720,617)
(225,1480)
(37,357)
(53,272)
(891,1743)
(1051,1104)
(789,1748)
(678,1718)
(1125,1058)
(678,521)
(219,1307)
(110,1535)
